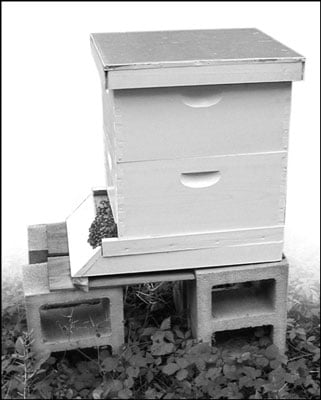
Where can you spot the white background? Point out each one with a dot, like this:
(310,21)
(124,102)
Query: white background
(52,112)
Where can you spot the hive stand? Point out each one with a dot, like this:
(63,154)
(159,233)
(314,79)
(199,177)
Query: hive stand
(62,316)
(65,313)
(257,297)
(70,319)
(232,308)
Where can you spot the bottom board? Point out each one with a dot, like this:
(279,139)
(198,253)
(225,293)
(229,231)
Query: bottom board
(186,259)
(165,253)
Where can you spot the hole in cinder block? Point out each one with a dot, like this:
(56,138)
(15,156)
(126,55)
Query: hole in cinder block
(75,320)
(84,354)
(235,339)
(243,299)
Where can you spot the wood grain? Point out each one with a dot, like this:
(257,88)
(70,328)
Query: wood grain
(205,75)
(198,121)
(37,244)
(186,259)
(78,224)
(59,273)
(152,201)
(57,239)
(112,247)
(135,279)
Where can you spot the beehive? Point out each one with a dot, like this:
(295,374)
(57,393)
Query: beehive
(196,129)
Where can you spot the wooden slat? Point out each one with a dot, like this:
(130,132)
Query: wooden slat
(260,122)
(58,261)
(78,224)
(37,244)
(57,239)
(247,195)
(126,246)
(205,75)
(59,273)
(59,277)
(185,259)
(134,279)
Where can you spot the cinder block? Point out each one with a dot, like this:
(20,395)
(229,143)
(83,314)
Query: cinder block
(229,298)
(69,319)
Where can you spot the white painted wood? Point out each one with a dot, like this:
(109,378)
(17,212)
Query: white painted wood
(152,201)
(98,62)
(177,260)
(206,75)
(78,224)
(171,49)
(136,279)
(108,115)
(111,174)
(112,247)
(199,121)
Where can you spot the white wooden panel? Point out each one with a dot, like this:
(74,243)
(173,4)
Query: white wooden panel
(108,114)
(78,224)
(176,260)
(152,201)
(137,279)
(110,173)
(112,247)
(199,121)
(206,75)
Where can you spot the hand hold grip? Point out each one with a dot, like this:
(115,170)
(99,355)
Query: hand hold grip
(200,179)
(201,96)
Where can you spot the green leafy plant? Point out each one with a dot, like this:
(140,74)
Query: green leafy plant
(161,360)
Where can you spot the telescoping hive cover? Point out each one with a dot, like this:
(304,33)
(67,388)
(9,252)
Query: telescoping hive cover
(169,58)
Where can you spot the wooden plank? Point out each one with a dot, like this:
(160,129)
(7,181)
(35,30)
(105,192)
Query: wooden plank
(135,279)
(206,75)
(112,247)
(186,259)
(154,200)
(111,170)
(137,50)
(37,244)
(167,121)
(59,277)
(98,62)
(57,239)
(78,224)
(59,273)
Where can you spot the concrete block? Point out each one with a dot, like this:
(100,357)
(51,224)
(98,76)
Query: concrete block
(237,297)
(69,319)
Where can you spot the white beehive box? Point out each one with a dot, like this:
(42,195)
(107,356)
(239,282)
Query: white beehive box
(196,129)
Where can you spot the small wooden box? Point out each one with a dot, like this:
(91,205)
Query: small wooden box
(196,129)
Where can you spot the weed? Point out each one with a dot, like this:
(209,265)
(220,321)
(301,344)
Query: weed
(161,360)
